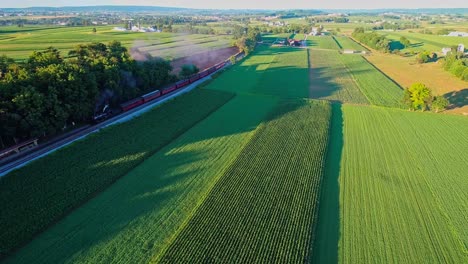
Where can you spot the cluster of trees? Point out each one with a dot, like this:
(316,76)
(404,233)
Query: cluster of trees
(188,70)
(419,97)
(456,64)
(426,56)
(246,38)
(47,93)
(372,39)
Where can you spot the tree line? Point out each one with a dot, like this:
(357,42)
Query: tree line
(47,93)
(372,39)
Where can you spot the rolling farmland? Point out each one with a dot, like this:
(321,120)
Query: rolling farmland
(30,204)
(264,208)
(246,169)
(331,80)
(19,43)
(426,42)
(386,194)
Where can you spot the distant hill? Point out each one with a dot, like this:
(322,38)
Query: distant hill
(104,8)
(404,11)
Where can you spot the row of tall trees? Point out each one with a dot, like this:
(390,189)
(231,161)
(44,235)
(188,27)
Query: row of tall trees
(372,39)
(47,93)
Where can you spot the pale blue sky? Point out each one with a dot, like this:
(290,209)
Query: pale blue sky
(244,4)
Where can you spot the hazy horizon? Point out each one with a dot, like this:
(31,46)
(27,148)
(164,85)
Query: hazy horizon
(245,4)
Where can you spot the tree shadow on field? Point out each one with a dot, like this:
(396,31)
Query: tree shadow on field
(457,99)
(327,234)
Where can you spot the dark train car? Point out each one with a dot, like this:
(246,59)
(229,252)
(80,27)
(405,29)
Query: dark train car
(169,89)
(194,78)
(131,104)
(204,73)
(151,96)
(182,83)
(220,65)
(211,70)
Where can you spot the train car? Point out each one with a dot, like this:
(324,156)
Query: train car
(169,89)
(182,83)
(18,148)
(194,78)
(204,73)
(131,104)
(220,65)
(151,96)
(211,70)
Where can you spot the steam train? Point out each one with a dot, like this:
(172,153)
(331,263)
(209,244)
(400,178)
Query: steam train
(129,105)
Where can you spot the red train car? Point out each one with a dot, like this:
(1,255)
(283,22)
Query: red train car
(182,83)
(169,89)
(221,65)
(151,96)
(194,78)
(204,73)
(131,104)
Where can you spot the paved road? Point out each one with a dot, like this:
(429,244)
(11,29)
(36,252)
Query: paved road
(124,117)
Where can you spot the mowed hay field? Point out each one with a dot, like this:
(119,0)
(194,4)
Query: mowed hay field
(264,208)
(19,43)
(395,188)
(406,72)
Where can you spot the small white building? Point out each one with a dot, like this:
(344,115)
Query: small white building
(461,48)
(446,51)
(458,34)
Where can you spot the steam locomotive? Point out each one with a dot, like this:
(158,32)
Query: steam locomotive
(129,105)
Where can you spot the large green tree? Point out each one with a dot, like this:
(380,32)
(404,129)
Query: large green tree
(418,97)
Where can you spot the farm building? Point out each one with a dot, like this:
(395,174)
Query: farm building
(461,48)
(348,51)
(445,51)
(458,34)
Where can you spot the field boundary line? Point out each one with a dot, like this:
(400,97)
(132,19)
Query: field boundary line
(337,43)
(388,77)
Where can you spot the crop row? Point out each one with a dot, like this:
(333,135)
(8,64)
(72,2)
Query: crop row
(35,196)
(264,207)
(331,80)
(377,87)
(347,43)
(322,42)
(399,192)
